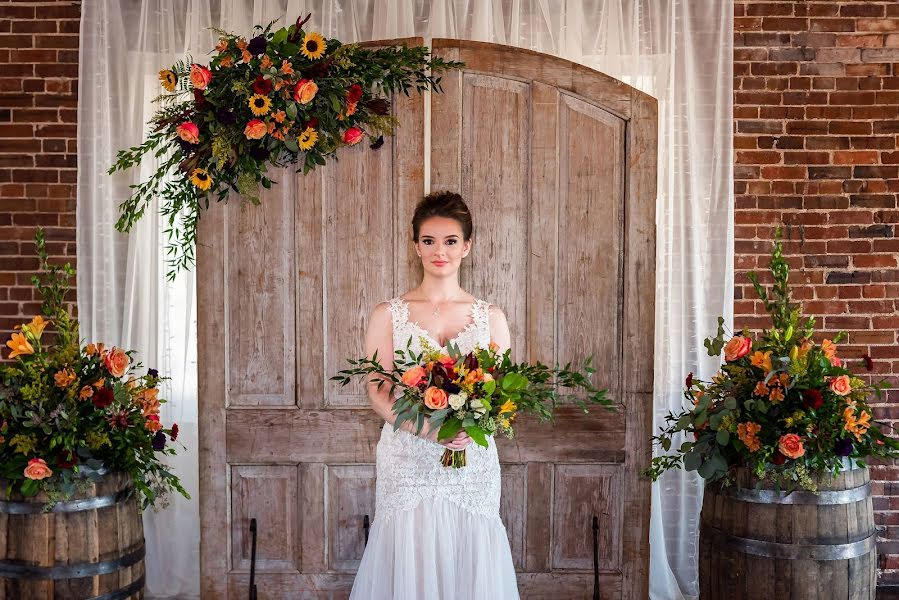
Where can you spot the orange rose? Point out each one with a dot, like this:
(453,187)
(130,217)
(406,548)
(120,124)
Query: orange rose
(493,346)
(152,423)
(305,91)
(447,361)
(841,385)
(116,362)
(200,76)
(352,135)
(435,398)
(737,348)
(189,132)
(37,469)
(790,445)
(413,376)
(255,129)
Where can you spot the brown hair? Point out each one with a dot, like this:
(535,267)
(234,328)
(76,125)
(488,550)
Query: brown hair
(442,204)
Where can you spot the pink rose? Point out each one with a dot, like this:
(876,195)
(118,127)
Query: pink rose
(435,398)
(841,385)
(116,362)
(255,129)
(790,445)
(738,347)
(305,91)
(37,469)
(413,376)
(352,135)
(200,76)
(189,132)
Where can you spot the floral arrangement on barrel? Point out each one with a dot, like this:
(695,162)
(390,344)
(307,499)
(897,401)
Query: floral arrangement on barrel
(481,392)
(70,413)
(280,98)
(782,405)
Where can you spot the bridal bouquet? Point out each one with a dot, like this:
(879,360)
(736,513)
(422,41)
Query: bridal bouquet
(783,405)
(480,392)
(70,413)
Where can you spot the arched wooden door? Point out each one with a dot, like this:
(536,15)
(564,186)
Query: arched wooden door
(558,164)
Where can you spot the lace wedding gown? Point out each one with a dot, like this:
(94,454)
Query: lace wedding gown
(437,534)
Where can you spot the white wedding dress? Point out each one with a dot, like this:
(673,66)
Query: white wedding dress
(437,534)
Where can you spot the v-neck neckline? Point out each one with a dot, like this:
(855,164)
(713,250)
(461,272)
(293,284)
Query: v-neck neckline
(427,333)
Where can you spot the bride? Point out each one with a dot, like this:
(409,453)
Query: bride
(437,533)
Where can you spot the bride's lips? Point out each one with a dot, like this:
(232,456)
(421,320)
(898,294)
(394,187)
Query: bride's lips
(440,263)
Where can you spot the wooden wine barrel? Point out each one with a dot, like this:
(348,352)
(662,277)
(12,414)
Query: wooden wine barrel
(91,546)
(761,543)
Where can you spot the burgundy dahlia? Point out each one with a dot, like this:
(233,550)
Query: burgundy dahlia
(103,397)
(812,399)
(261,85)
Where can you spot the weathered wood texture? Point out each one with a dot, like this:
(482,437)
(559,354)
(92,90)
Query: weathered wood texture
(558,165)
(805,540)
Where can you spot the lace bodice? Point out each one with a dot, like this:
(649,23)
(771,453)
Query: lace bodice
(477,332)
(408,467)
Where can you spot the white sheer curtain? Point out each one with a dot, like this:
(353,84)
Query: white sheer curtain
(679,51)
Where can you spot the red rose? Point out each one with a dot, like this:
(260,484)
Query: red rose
(778,459)
(352,135)
(174,434)
(812,399)
(262,85)
(103,397)
(354,93)
(689,381)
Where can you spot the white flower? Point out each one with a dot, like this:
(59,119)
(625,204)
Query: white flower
(478,407)
(456,401)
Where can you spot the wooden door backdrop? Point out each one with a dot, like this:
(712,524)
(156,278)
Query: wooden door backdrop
(558,164)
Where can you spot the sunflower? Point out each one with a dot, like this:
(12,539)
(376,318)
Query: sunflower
(201,179)
(260,105)
(313,45)
(308,138)
(168,80)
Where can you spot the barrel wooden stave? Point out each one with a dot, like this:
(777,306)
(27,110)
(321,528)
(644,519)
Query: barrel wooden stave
(73,538)
(727,572)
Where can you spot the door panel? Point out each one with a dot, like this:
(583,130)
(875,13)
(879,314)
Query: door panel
(557,163)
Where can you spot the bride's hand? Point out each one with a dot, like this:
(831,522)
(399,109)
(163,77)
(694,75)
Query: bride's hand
(459,442)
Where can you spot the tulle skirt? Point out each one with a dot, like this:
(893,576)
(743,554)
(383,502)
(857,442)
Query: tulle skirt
(437,533)
(436,551)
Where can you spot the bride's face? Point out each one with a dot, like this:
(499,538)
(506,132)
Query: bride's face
(440,246)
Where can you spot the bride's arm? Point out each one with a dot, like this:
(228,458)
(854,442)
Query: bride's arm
(499,328)
(379,336)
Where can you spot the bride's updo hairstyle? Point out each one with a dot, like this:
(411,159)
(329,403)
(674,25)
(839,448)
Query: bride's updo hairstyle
(449,205)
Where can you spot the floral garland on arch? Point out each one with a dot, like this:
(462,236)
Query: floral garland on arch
(280,98)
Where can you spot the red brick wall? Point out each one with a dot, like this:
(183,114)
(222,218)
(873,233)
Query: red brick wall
(816,110)
(38,99)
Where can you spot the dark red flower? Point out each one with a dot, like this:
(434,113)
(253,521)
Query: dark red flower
(257,45)
(159,441)
(778,459)
(262,85)
(174,434)
(354,94)
(689,381)
(869,364)
(119,420)
(103,397)
(379,106)
(200,99)
(66,459)
(313,123)
(812,399)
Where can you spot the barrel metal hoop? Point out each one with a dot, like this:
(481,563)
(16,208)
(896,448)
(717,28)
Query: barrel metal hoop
(792,551)
(14,568)
(123,593)
(799,496)
(70,506)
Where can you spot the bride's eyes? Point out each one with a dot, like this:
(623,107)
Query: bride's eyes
(429,242)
